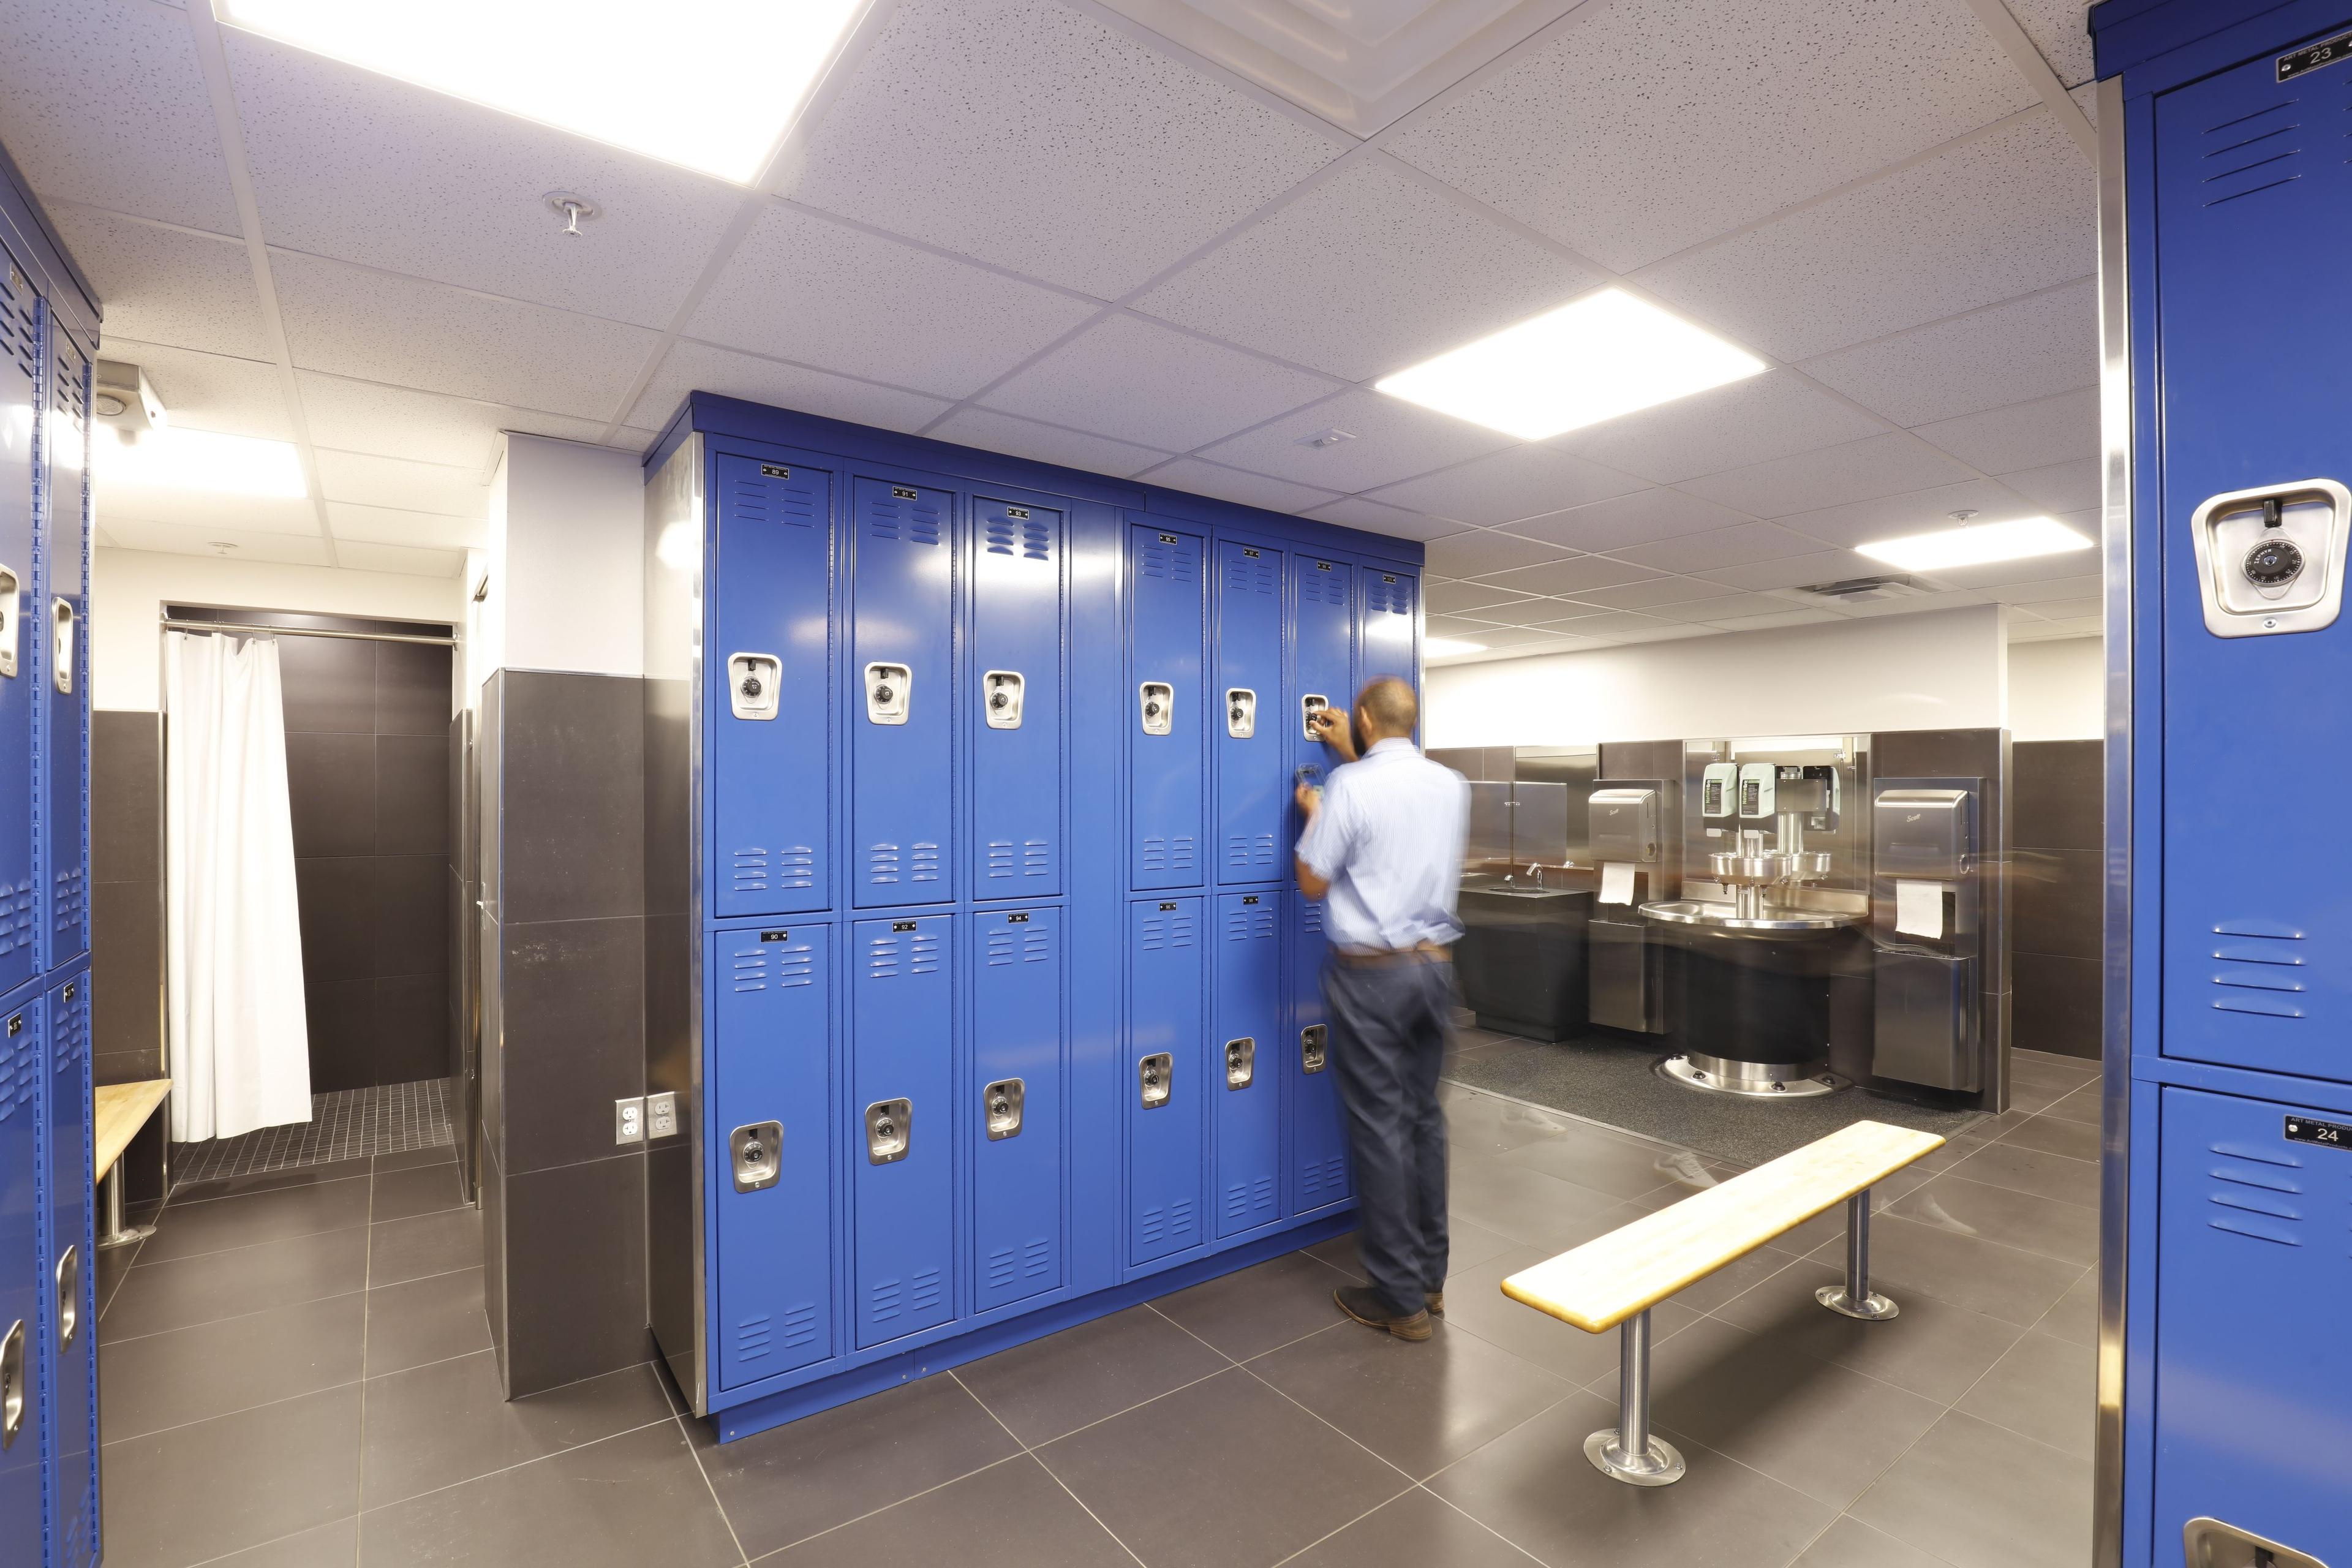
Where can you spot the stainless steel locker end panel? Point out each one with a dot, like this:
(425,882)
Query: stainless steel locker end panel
(753,681)
(754,1149)
(1002,1101)
(890,1128)
(1154,1075)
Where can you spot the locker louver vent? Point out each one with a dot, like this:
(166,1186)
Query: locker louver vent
(1244,1199)
(69,1033)
(1247,852)
(1036,945)
(2252,153)
(2256,1197)
(1031,538)
(1310,918)
(1251,575)
(1003,948)
(20,1073)
(750,870)
(1322,1182)
(796,867)
(756,498)
(2266,978)
(1322,587)
(19,326)
(924,862)
(1037,857)
(772,963)
(16,917)
(1245,924)
(1009,1266)
(924,1290)
(1167,930)
(886,864)
(1000,859)
(1169,1224)
(70,395)
(923,955)
(750,971)
(753,1338)
(904,513)
(69,899)
(882,957)
(1382,596)
(1178,563)
(1169,855)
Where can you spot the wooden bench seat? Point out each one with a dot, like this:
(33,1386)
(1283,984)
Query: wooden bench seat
(1612,1282)
(121,1110)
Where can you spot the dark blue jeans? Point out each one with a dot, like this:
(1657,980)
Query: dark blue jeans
(1389,1029)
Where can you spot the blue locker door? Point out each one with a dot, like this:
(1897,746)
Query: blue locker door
(769,672)
(2253,1369)
(1323,613)
(902,692)
(771,1061)
(1016,729)
(902,1125)
(20,363)
(68,1282)
(1387,619)
(63,629)
(1244,1056)
(1166,760)
(1253,788)
(1319,1127)
(21,1066)
(2257,965)
(1017,1052)
(1165,1083)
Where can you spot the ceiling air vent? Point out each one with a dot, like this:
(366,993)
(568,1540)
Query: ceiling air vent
(1862,589)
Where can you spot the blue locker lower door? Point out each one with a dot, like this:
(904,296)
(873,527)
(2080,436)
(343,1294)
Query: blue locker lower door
(69,1281)
(1013,1107)
(21,1362)
(1244,1050)
(2254,1368)
(770,1131)
(1319,1127)
(1165,1081)
(901,1124)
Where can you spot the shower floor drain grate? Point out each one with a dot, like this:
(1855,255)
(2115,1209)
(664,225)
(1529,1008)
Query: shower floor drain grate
(348,1124)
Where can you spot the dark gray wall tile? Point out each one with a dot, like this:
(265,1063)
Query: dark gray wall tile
(2059,793)
(412,915)
(412,688)
(570,810)
(412,811)
(329,684)
(330,787)
(2057,1004)
(127,969)
(126,805)
(489,748)
(411,1027)
(572,997)
(338,904)
(575,1282)
(2055,898)
(341,1017)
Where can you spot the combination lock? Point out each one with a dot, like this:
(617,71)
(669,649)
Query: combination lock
(2273,563)
(1000,702)
(883,694)
(752,686)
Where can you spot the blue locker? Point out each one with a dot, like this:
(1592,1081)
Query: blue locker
(20,365)
(23,1367)
(1388,621)
(1166,760)
(63,650)
(903,693)
(1245,1048)
(1166,1082)
(68,1279)
(770,719)
(1015,1104)
(1253,787)
(902,1125)
(771,1147)
(1319,1174)
(1323,617)
(1016,733)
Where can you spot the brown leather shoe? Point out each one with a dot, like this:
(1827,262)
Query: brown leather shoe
(1363,1303)
(1437,1303)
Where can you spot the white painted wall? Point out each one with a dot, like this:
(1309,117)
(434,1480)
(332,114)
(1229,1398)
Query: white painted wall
(1944,670)
(129,589)
(2057,689)
(566,568)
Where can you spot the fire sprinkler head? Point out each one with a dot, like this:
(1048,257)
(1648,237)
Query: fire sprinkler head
(572,208)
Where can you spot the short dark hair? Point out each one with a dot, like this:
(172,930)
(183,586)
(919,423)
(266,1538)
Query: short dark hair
(1390,705)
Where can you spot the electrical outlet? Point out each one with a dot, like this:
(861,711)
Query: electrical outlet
(629,1120)
(661,1116)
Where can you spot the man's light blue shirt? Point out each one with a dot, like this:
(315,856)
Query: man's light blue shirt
(1388,840)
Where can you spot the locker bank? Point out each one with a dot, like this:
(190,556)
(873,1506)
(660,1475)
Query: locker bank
(663,680)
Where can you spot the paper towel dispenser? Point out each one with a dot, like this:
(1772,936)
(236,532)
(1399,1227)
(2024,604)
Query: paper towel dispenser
(1624,821)
(1926,833)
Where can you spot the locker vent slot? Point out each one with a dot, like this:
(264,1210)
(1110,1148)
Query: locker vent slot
(1247,852)
(1002,947)
(1037,857)
(797,1327)
(1008,1265)
(70,1034)
(753,1338)
(2254,1200)
(20,1072)
(887,864)
(796,867)
(925,862)
(16,917)
(761,498)
(926,954)
(1000,859)
(17,321)
(1170,1224)
(1310,918)
(925,1289)
(1245,923)
(1322,1182)
(882,956)
(1037,1258)
(1245,1198)
(2269,989)
(1165,929)
(750,971)
(2251,153)
(1251,575)
(1025,537)
(1323,587)
(1037,946)
(750,870)
(1386,595)
(1168,856)
(70,900)
(1177,562)
(882,865)
(903,514)
(882,1303)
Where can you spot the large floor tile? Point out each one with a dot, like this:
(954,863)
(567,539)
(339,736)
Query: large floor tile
(1418,1530)
(2065,1231)
(1534,1487)
(1488,1124)
(408,1159)
(1530,1206)
(1223,1474)
(1012,1515)
(186,1230)
(1909,1258)
(792,1482)
(1065,1381)
(219,1486)
(417,1189)
(234,1364)
(2083,1105)
(1850,1543)
(1251,1310)
(335,1546)
(629,1500)
(451,1421)
(1934,1349)
(1607,1162)
(268,1181)
(216,1285)
(2045,1389)
(428,1244)
(427,1319)
(2012,1164)
(1467,1246)
(2076,1317)
(1475,1302)
(1979,1497)
(1419,1406)
(2056,1135)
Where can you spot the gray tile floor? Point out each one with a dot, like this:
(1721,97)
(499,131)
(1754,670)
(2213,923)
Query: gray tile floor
(296,1371)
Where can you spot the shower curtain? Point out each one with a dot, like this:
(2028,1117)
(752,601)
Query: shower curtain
(240,1050)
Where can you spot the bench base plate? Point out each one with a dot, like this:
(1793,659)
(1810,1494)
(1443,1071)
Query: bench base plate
(1873,1309)
(1661,1466)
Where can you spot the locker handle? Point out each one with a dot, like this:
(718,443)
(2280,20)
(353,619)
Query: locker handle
(13,1398)
(61,617)
(1313,1052)
(889,1131)
(11,611)
(69,1297)
(1001,1105)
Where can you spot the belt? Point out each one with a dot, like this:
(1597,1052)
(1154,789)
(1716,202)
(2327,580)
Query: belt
(1384,957)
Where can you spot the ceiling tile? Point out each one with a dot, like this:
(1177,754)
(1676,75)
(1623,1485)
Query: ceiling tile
(1950,599)
(283,549)
(1664,631)
(699,367)
(1775,621)
(1629,520)
(1765,417)
(106,105)
(442,490)
(1355,511)
(120,505)
(1028,133)
(2060,486)
(1908,513)
(377,327)
(400,558)
(1517,482)
(1685,593)
(1516,637)
(388,525)
(1192,475)
(1615,623)
(1733,606)
(210,392)
(2060,30)
(1859,471)
(1390,440)
(1477,553)
(2007,213)
(1724,547)
(368,169)
(1135,381)
(1797,571)
(1370,271)
(995,432)
(1458,627)
(169,286)
(2023,434)
(2030,590)
(1448,598)
(2017,351)
(1573,576)
(1738,107)
(426,426)
(825,294)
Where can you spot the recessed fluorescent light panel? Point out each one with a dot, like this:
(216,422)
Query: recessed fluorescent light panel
(1439,647)
(707,84)
(1980,544)
(1606,354)
(178,459)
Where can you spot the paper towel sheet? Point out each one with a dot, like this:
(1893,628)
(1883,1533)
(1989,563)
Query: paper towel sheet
(1616,883)
(1920,909)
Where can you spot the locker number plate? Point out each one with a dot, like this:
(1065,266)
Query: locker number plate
(2313,56)
(2311,1130)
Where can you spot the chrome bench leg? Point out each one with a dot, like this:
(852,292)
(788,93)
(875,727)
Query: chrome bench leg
(1854,1298)
(1628,1452)
(118,1233)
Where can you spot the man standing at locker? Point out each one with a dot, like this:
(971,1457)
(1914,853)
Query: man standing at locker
(1382,848)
